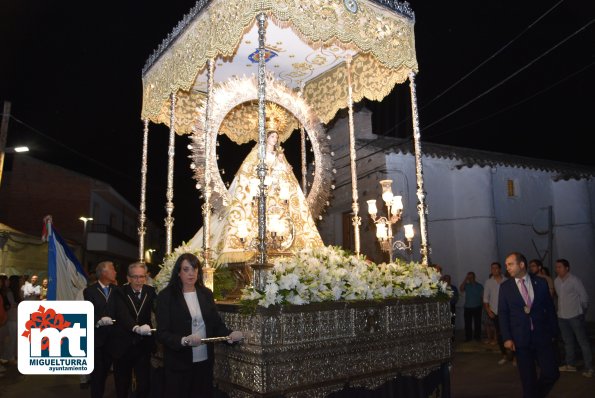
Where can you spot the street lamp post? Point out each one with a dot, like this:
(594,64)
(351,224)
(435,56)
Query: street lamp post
(3,136)
(84,255)
(3,152)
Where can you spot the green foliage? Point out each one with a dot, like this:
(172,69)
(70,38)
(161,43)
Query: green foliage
(224,283)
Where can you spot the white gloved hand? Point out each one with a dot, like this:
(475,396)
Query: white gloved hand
(105,321)
(193,340)
(234,336)
(144,330)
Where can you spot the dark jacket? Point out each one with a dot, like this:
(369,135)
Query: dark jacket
(515,324)
(174,322)
(127,305)
(103,306)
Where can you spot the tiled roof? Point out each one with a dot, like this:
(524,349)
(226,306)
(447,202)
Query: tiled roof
(474,157)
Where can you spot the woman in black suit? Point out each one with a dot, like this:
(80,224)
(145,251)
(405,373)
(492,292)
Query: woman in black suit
(186,313)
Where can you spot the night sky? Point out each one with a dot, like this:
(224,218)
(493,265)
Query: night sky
(72,71)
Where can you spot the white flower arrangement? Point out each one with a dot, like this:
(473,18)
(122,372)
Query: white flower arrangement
(330,274)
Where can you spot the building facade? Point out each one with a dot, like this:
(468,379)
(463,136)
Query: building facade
(481,205)
(32,189)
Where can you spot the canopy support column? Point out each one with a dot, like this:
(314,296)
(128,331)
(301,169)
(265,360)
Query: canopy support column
(304,169)
(206,207)
(422,209)
(169,205)
(261,267)
(356,219)
(142,229)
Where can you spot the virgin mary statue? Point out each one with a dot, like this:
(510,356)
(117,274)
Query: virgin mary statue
(234,228)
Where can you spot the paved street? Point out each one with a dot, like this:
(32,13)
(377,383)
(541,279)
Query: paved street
(475,374)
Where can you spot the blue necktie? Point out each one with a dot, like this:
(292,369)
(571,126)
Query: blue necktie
(106,290)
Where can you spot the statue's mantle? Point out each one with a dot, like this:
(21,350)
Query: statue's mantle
(316,349)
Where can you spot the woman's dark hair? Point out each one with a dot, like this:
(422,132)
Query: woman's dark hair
(174,279)
(14,285)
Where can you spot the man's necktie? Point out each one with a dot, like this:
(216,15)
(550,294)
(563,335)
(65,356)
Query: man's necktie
(527,298)
(105,290)
(525,293)
(138,294)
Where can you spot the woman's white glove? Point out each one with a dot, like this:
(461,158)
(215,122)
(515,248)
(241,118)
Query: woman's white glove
(234,336)
(144,330)
(105,321)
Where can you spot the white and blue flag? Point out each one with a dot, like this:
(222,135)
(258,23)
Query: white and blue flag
(66,275)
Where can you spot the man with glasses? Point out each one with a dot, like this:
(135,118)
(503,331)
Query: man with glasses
(133,342)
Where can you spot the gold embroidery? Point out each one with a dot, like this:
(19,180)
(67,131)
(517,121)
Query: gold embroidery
(384,40)
(239,91)
(295,214)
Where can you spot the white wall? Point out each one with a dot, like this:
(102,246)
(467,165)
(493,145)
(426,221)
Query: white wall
(573,232)
(472,221)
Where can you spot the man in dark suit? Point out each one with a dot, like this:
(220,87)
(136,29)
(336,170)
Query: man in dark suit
(132,340)
(528,325)
(101,295)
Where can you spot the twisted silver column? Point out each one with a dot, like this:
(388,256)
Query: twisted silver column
(261,267)
(422,209)
(356,219)
(142,218)
(206,207)
(169,205)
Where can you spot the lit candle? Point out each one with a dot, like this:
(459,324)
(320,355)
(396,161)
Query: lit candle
(381,232)
(396,205)
(274,222)
(254,183)
(282,228)
(372,207)
(408,231)
(387,196)
(242,229)
(284,193)
(387,193)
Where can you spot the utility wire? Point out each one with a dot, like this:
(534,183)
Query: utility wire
(82,155)
(495,86)
(505,109)
(525,30)
(494,54)
(509,107)
(486,60)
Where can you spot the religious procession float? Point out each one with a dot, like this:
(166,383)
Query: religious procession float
(318,321)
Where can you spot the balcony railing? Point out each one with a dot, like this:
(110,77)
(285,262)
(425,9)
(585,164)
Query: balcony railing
(107,229)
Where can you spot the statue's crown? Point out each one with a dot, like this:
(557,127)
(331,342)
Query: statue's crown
(276,118)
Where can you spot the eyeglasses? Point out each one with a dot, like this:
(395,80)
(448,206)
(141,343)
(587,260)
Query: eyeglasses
(137,276)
